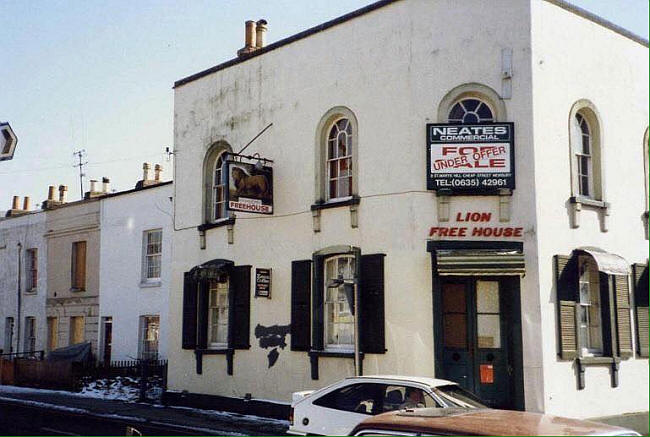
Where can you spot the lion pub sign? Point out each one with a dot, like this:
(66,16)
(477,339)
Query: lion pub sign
(249,187)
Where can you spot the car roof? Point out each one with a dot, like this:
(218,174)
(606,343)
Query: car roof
(431,382)
(484,422)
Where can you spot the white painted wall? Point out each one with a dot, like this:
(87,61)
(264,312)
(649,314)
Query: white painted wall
(391,67)
(123,295)
(573,59)
(28,230)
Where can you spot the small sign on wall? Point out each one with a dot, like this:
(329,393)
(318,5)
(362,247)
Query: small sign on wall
(263,283)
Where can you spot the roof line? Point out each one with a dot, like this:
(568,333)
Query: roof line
(285,41)
(379,4)
(599,20)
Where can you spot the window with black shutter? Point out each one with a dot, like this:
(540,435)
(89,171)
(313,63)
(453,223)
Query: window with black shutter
(300,305)
(216,310)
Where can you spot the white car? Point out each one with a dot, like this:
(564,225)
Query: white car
(338,408)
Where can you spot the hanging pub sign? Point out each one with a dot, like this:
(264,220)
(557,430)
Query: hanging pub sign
(470,158)
(263,283)
(249,187)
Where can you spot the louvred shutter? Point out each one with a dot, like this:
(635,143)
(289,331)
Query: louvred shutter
(300,308)
(189,312)
(566,281)
(371,298)
(640,277)
(623,319)
(317,309)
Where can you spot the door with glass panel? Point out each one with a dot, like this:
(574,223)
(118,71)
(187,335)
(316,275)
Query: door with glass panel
(475,314)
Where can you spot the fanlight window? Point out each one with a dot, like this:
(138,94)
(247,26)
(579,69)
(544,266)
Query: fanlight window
(339,160)
(469,111)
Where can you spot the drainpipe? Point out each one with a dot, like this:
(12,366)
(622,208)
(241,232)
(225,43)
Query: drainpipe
(20,268)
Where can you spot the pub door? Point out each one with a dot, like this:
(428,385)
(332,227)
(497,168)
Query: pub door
(478,337)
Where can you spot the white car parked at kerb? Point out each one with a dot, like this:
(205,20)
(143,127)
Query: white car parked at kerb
(338,408)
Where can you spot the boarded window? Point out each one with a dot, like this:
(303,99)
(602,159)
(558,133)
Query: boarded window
(52,333)
(78,264)
(76,330)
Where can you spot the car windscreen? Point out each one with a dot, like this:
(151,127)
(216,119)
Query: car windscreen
(456,396)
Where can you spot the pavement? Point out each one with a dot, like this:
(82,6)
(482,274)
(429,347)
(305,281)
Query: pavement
(163,419)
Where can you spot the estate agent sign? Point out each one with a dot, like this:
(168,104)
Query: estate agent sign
(470,158)
(250,188)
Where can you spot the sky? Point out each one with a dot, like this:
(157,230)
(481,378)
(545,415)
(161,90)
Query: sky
(98,76)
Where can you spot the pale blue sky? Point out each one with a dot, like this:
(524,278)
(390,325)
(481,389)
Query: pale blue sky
(99,75)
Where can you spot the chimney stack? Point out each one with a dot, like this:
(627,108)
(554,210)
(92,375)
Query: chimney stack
(260,33)
(62,193)
(51,202)
(26,204)
(157,170)
(15,207)
(106,185)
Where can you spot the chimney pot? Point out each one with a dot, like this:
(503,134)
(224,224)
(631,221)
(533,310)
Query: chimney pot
(106,185)
(62,193)
(93,185)
(249,41)
(26,203)
(260,33)
(15,204)
(145,171)
(50,192)
(157,170)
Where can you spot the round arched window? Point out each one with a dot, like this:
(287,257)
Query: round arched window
(339,159)
(469,111)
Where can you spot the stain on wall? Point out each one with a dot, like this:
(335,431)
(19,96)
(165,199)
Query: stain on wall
(272,337)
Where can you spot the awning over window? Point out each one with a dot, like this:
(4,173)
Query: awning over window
(212,269)
(607,262)
(479,262)
(477,258)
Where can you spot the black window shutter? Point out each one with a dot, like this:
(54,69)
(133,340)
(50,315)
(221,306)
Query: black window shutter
(241,321)
(202,319)
(371,287)
(566,283)
(623,319)
(189,312)
(300,305)
(317,301)
(640,278)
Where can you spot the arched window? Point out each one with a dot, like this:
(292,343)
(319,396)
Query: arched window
(336,156)
(339,160)
(470,111)
(583,157)
(586,164)
(214,182)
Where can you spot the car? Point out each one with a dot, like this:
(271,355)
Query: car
(338,408)
(456,421)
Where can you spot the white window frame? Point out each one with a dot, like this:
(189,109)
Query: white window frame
(342,128)
(148,258)
(589,323)
(584,153)
(219,210)
(216,289)
(145,351)
(330,305)
(462,102)
(31,270)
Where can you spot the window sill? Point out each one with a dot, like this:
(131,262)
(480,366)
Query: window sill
(150,284)
(32,291)
(333,354)
(222,222)
(77,290)
(220,351)
(594,361)
(586,201)
(354,200)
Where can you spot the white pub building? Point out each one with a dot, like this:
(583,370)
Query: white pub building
(455,188)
